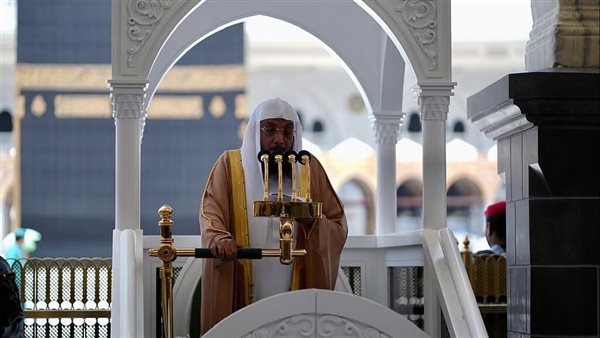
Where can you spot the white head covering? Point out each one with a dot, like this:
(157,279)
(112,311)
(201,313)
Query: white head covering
(270,109)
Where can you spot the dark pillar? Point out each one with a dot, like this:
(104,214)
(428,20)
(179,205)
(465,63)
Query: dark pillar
(547,125)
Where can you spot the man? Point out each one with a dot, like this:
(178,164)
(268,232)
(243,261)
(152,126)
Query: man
(495,229)
(227,221)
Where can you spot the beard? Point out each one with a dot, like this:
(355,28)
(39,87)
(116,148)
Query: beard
(286,166)
(286,169)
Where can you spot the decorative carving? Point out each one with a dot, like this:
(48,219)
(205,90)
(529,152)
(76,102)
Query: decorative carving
(127,106)
(189,78)
(334,326)
(303,325)
(386,133)
(326,326)
(38,106)
(176,107)
(421,17)
(434,107)
(241,102)
(82,106)
(259,333)
(295,326)
(387,127)
(373,333)
(143,17)
(127,98)
(217,106)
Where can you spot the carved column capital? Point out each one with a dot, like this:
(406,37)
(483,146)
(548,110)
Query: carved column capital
(434,107)
(387,126)
(434,100)
(127,99)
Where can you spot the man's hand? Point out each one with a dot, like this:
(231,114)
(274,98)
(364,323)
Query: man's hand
(225,249)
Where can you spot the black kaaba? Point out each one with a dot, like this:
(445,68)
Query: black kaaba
(66,132)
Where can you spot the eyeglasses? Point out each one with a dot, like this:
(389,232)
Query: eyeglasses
(270,131)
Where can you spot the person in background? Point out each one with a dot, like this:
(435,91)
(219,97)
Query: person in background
(11,313)
(227,221)
(16,250)
(495,229)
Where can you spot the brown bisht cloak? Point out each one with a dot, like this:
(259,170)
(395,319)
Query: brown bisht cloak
(227,285)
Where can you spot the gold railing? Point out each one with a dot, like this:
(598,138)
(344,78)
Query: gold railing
(487,274)
(168,253)
(65,297)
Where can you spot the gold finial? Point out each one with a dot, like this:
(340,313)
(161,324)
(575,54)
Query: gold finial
(165,213)
(292,161)
(279,161)
(265,160)
(466,243)
(166,224)
(305,159)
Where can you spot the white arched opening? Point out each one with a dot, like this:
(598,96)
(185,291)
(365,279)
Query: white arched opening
(358,206)
(409,205)
(368,36)
(378,74)
(465,207)
(352,25)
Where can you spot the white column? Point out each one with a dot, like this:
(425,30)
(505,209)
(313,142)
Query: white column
(127,99)
(387,131)
(433,103)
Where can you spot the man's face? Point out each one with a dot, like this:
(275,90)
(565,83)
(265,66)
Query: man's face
(277,134)
(488,234)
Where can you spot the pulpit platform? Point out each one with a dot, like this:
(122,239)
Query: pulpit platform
(315,313)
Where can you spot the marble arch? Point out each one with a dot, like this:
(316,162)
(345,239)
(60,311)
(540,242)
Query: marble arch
(148,36)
